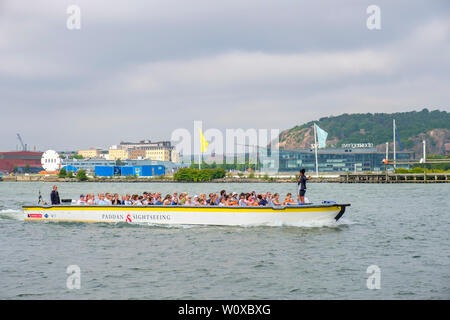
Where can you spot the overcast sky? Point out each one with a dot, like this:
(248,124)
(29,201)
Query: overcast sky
(140,69)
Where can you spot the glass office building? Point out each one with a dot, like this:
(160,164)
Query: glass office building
(333,160)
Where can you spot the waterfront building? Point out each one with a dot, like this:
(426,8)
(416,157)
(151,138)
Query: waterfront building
(117,154)
(22,161)
(136,154)
(145,145)
(175,156)
(160,150)
(334,160)
(90,153)
(89,164)
(158,153)
(104,154)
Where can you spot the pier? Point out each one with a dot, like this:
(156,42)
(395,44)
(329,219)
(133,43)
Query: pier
(395,178)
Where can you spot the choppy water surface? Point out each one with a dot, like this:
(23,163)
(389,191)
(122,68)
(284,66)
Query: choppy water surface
(401,228)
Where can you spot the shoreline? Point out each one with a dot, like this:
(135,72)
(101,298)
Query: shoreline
(343,178)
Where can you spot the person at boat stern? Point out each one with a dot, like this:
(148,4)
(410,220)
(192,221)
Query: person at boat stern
(54,196)
(301,182)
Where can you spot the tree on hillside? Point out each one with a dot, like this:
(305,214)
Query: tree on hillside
(377,127)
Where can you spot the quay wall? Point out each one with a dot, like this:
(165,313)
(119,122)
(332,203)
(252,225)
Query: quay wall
(343,178)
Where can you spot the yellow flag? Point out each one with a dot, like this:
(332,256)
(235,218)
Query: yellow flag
(203,142)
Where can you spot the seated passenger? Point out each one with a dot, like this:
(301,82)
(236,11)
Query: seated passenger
(196,201)
(233,201)
(90,199)
(81,201)
(269,199)
(229,201)
(139,201)
(167,200)
(242,202)
(209,198)
(251,200)
(134,198)
(213,200)
(175,201)
(128,201)
(288,200)
(108,199)
(116,201)
(158,201)
(262,200)
(276,200)
(182,198)
(101,200)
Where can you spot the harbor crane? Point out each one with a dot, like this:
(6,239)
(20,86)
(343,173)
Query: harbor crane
(24,146)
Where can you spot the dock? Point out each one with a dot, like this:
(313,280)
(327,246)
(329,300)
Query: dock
(395,178)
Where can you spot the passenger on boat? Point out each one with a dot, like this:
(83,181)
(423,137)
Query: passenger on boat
(242,202)
(108,199)
(90,199)
(127,200)
(301,182)
(269,199)
(183,198)
(228,200)
(54,196)
(250,200)
(158,201)
(101,200)
(276,200)
(196,201)
(288,200)
(167,200)
(223,193)
(262,200)
(81,201)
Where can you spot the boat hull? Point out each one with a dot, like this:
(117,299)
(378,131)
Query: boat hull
(186,215)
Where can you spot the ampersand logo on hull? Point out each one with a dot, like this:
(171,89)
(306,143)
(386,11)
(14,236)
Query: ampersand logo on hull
(128,218)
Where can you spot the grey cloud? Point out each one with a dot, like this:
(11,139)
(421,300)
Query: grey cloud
(144,68)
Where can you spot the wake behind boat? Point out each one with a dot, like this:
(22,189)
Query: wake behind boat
(190,215)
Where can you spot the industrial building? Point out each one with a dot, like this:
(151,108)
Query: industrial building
(137,171)
(22,161)
(89,165)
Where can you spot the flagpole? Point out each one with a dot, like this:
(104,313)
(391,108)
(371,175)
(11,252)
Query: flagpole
(315,147)
(395,157)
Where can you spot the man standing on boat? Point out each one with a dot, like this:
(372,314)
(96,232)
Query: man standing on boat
(54,196)
(301,182)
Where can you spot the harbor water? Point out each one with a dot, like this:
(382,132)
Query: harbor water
(400,230)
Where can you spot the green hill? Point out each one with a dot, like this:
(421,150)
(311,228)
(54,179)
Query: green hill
(434,126)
